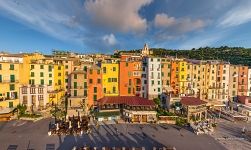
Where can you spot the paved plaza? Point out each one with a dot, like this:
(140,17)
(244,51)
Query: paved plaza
(230,135)
(22,135)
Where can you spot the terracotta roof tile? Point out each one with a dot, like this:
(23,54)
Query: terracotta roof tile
(191,101)
(128,100)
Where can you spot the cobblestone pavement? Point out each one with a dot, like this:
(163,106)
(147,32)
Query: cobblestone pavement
(22,135)
(230,135)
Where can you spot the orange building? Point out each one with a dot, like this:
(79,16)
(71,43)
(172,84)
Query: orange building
(130,75)
(243,81)
(175,76)
(94,84)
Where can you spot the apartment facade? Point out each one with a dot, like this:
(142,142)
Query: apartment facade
(35,97)
(130,71)
(9,83)
(243,81)
(110,78)
(78,89)
(95,88)
(233,81)
(166,74)
(152,76)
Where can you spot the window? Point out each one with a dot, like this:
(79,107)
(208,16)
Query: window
(90,81)
(75,76)
(40,90)
(41,74)
(158,89)
(94,97)
(50,82)
(50,75)
(85,76)
(75,92)
(85,92)
(233,85)
(10,104)
(91,71)
(126,64)
(50,68)
(25,100)
(40,97)
(95,89)
(32,90)
(41,66)
(130,82)
(104,90)
(104,69)
(85,68)
(32,66)
(59,67)
(24,90)
(12,78)
(129,90)
(152,82)
(42,81)
(59,82)
(109,79)
(162,74)
(59,74)
(85,84)
(12,67)
(12,87)
(114,69)
(66,66)
(75,85)
(169,74)
(0,66)
(182,77)
(32,81)
(99,81)
(32,74)
(1,80)
(145,81)
(98,71)
(114,89)
(158,82)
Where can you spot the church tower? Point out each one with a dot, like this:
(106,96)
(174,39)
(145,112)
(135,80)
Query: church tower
(145,51)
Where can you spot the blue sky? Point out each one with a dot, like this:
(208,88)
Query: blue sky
(89,26)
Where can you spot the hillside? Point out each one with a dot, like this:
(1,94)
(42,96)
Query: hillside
(235,55)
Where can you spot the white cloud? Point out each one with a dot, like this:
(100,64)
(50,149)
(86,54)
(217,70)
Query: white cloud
(46,17)
(238,15)
(163,20)
(180,25)
(119,15)
(109,39)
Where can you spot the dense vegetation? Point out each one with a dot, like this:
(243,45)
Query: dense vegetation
(235,55)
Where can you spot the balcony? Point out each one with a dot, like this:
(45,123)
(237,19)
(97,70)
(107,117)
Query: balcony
(242,83)
(10,81)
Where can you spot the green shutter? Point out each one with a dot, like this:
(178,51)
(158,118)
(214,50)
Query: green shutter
(12,67)
(12,78)
(1,80)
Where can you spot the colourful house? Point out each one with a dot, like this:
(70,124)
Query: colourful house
(110,78)
(130,75)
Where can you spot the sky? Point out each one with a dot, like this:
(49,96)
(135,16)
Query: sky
(102,26)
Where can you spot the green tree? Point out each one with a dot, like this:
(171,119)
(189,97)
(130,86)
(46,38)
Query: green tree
(21,109)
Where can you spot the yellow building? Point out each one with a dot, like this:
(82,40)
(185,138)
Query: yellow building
(182,76)
(9,84)
(110,78)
